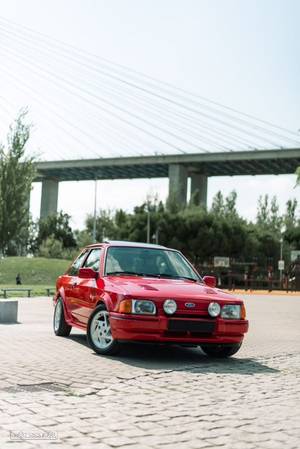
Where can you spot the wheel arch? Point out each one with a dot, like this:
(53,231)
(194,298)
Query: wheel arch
(106,300)
(61,295)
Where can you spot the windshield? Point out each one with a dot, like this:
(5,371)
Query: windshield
(148,262)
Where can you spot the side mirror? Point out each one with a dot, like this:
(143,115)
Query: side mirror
(87,273)
(210,281)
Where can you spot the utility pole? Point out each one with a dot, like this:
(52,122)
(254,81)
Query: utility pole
(95,212)
(281,255)
(148,225)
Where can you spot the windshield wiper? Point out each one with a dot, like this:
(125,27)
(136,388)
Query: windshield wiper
(169,276)
(188,278)
(151,275)
(177,276)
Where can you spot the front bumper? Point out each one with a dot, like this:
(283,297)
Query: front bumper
(157,329)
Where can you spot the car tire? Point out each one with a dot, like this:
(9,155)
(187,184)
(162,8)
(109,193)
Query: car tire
(60,326)
(99,335)
(221,351)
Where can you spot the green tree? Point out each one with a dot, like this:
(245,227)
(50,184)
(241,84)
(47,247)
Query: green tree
(262,217)
(268,216)
(51,248)
(230,205)
(217,206)
(17,171)
(57,226)
(292,237)
(121,220)
(83,238)
(105,225)
(275,218)
(298,176)
(290,218)
(202,234)
(224,206)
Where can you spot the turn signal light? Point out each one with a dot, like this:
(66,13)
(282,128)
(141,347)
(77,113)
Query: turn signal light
(125,306)
(243,312)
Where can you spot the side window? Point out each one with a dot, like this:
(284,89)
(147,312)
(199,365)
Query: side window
(73,270)
(93,259)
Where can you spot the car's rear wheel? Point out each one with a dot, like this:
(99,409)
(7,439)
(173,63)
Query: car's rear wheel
(60,326)
(221,351)
(99,334)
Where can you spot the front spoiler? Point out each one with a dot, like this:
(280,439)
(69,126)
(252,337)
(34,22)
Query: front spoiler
(146,329)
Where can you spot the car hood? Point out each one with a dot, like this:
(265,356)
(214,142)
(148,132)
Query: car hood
(164,288)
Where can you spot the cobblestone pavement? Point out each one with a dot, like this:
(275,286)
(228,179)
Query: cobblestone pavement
(151,397)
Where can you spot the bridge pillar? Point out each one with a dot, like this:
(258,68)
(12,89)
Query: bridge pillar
(199,189)
(49,198)
(178,184)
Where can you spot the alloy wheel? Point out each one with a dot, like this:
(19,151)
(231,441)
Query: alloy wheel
(101,331)
(57,315)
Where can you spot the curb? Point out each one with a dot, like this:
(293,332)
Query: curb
(262,292)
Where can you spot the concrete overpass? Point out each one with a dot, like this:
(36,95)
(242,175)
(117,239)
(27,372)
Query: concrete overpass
(176,167)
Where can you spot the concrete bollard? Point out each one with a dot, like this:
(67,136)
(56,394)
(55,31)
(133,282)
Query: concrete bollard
(8,311)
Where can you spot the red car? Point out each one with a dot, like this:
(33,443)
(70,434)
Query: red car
(135,292)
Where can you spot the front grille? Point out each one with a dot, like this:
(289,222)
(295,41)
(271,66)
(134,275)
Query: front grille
(193,315)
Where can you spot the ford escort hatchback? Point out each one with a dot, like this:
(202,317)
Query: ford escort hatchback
(134,292)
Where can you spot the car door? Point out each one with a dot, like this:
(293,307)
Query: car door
(86,289)
(70,285)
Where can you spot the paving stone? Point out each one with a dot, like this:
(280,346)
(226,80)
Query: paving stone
(118,441)
(161,398)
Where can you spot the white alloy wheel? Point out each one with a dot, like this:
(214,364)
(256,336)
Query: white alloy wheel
(57,315)
(60,326)
(100,330)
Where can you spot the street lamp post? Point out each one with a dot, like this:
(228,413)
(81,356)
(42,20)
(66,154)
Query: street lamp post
(95,213)
(281,262)
(148,225)
(281,255)
(148,222)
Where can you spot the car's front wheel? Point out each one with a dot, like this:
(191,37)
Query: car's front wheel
(60,326)
(99,334)
(221,351)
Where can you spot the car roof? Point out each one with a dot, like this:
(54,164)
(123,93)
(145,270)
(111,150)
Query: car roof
(125,243)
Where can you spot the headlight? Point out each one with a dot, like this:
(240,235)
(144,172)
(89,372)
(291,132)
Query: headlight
(231,312)
(170,306)
(143,307)
(214,309)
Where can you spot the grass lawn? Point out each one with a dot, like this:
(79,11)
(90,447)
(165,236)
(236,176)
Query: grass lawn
(37,273)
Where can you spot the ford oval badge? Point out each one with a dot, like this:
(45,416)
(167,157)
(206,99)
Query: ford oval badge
(190,305)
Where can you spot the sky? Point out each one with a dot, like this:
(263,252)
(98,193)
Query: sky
(240,53)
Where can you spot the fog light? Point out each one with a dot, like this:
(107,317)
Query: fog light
(214,309)
(170,306)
